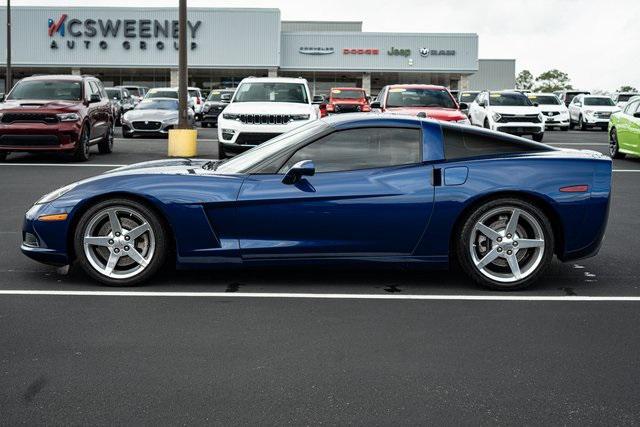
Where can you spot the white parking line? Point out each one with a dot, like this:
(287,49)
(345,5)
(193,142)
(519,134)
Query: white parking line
(323,296)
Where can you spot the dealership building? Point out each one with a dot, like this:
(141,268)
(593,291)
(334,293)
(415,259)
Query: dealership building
(139,46)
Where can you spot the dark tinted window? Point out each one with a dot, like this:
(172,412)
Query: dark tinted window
(507,99)
(114,93)
(361,149)
(632,107)
(347,94)
(602,101)
(460,143)
(468,96)
(544,99)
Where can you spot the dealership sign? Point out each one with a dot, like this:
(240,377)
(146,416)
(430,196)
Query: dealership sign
(358,51)
(435,52)
(142,33)
(316,50)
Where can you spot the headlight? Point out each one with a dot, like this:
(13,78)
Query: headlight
(56,194)
(496,117)
(231,116)
(299,117)
(68,117)
(540,117)
(588,112)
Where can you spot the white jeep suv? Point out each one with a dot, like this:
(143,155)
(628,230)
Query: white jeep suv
(556,114)
(507,111)
(587,111)
(263,108)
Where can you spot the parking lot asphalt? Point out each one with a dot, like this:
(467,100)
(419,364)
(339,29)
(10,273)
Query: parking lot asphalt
(313,346)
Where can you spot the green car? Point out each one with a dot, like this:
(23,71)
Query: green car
(624,130)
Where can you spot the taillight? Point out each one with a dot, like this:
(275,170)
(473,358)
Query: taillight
(366,108)
(575,189)
(330,107)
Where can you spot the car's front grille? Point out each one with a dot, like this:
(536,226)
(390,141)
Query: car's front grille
(551,113)
(265,119)
(28,140)
(254,138)
(146,125)
(29,118)
(603,115)
(519,129)
(510,118)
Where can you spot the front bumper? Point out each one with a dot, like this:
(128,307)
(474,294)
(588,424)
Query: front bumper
(559,120)
(29,137)
(50,245)
(592,120)
(163,130)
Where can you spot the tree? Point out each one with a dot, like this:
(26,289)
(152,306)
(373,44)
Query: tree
(627,89)
(524,80)
(553,80)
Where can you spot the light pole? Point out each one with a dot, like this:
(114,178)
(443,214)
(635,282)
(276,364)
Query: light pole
(7,80)
(183,118)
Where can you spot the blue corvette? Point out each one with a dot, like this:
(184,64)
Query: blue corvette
(351,188)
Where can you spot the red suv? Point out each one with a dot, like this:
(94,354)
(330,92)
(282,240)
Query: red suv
(431,101)
(56,113)
(347,100)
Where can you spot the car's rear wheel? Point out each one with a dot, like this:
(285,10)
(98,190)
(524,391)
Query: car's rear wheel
(581,123)
(221,153)
(105,146)
(506,244)
(614,148)
(3,156)
(120,242)
(83,149)
(486,124)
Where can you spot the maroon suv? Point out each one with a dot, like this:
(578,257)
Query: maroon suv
(56,113)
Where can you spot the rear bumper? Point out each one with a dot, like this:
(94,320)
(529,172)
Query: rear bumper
(17,137)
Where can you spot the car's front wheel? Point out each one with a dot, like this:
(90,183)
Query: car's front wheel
(614,148)
(120,242)
(538,137)
(506,244)
(83,149)
(581,123)
(221,153)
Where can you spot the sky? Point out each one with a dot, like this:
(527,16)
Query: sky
(597,43)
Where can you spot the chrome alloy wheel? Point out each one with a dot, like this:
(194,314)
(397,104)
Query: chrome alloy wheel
(119,242)
(507,244)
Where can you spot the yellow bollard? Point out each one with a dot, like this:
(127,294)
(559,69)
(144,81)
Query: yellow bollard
(183,142)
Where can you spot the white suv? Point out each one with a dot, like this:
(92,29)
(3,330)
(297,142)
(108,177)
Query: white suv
(556,114)
(507,111)
(262,108)
(587,111)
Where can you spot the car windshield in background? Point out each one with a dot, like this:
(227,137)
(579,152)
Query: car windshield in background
(47,89)
(163,94)
(602,101)
(468,96)
(625,97)
(215,95)
(509,99)
(134,91)
(545,99)
(347,94)
(159,104)
(113,93)
(193,93)
(271,92)
(416,97)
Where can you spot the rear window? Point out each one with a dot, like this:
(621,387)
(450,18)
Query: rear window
(134,91)
(468,96)
(544,99)
(193,93)
(163,94)
(114,93)
(347,94)
(624,97)
(463,143)
(602,101)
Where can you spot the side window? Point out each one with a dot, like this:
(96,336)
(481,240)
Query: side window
(631,108)
(93,88)
(461,144)
(103,93)
(362,148)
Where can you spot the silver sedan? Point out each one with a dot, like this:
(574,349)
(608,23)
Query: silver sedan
(152,117)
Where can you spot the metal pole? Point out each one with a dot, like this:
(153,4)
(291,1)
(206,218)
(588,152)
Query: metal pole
(7,80)
(183,121)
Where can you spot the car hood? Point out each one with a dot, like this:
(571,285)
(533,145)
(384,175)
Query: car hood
(437,113)
(39,105)
(150,114)
(515,110)
(268,108)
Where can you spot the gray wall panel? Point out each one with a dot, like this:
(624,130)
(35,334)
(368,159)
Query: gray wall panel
(494,74)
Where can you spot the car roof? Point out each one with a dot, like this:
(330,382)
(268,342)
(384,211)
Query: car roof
(56,77)
(541,94)
(347,88)
(417,86)
(597,96)
(158,89)
(275,79)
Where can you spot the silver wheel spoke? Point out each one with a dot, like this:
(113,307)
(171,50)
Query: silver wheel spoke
(97,240)
(139,230)
(114,221)
(111,264)
(514,266)
(487,231)
(487,259)
(530,243)
(513,222)
(135,255)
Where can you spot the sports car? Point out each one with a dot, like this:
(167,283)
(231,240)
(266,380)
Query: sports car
(351,189)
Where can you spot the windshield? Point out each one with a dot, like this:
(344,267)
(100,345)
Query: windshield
(134,91)
(509,99)
(160,104)
(602,101)
(272,92)
(468,96)
(347,94)
(243,162)
(215,95)
(47,89)
(624,97)
(194,93)
(163,94)
(545,99)
(416,97)
(113,93)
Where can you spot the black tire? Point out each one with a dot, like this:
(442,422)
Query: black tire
(538,137)
(581,124)
(614,148)
(221,153)
(564,129)
(571,124)
(105,146)
(463,249)
(82,151)
(158,259)
(486,124)
(3,156)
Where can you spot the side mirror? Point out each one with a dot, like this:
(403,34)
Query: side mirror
(375,105)
(226,98)
(318,99)
(464,106)
(94,97)
(297,171)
